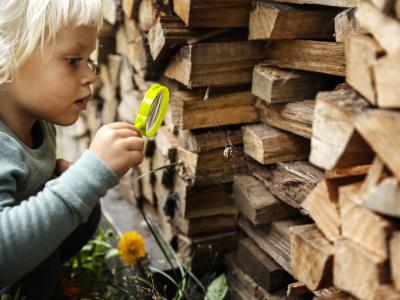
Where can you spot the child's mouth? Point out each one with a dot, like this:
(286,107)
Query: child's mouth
(81,104)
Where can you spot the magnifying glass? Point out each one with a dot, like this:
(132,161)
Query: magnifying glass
(152,110)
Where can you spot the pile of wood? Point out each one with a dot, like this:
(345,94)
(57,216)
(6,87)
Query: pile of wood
(282,123)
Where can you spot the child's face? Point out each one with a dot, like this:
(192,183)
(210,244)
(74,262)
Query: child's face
(49,87)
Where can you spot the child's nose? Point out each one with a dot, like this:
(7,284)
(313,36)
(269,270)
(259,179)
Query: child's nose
(88,78)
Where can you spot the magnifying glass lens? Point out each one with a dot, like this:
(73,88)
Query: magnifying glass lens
(154,111)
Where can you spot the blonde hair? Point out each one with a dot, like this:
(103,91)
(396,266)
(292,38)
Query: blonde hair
(26,24)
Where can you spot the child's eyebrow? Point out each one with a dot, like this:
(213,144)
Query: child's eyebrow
(79,46)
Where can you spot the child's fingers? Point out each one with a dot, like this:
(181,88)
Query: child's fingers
(121,125)
(134,144)
(126,133)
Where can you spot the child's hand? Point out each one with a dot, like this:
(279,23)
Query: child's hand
(119,145)
(61,166)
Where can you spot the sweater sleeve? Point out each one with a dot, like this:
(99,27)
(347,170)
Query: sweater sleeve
(32,229)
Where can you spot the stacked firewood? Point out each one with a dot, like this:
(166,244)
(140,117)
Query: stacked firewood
(281,123)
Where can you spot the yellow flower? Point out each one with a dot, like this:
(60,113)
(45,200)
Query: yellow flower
(131,247)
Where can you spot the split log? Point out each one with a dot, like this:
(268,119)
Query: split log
(215,64)
(276,85)
(295,117)
(148,12)
(273,238)
(385,292)
(291,182)
(322,204)
(260,267)
(296,289)
(362,52)
(205,225)
(387,83)
(311,256)
(206,249)
(130,8)
(166,34)
(209,167)
(275,21)
(213,13)
(335,142)
(140,58)
(346,25)
(361,225)
(110,11)
(377,128)
(198,201)
(257,203)
(243,287)
(334,3)
(358,271)
(269,145)
(207,139)
(395,259)
(389,204)
(315,56)
(384,28)
(190,110)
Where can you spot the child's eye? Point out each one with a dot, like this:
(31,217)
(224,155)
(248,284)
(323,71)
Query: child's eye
(73,61)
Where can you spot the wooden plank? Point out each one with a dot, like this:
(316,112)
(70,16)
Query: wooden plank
(269,145)
(260,267)
(335,142)
(377,128)
(273,238)
(315,56)
(386,75)
(291,182)
(205,225)
(276,21)
(209,167)
(206,139)
(335,3)
(295,117)
(215,64)
(362,52)
(385,29)
(206,252)
(346,25)
(213,13)
(257,203)
(357,270)
(395,259)
(190,110)
(361,225)
(311,256)
(198,201)
(243,287)
(276,85)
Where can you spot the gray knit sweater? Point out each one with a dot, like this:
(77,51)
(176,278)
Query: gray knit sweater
(37,213)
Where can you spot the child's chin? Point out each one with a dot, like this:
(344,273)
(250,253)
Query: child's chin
(66,122)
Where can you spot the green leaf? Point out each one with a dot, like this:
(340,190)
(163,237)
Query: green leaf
(111,253)
(217,289)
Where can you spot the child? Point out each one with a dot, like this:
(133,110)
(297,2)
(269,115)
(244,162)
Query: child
(45,79)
